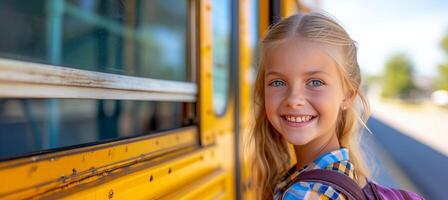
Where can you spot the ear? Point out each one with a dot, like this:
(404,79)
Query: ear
(349,99)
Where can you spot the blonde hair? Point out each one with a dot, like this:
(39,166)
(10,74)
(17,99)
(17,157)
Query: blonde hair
(272,155)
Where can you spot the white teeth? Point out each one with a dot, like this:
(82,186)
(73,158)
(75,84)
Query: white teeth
(295,119)
(298,119)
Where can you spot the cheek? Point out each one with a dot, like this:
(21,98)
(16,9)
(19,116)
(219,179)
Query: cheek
(268,101)
(327,104)
(272,101)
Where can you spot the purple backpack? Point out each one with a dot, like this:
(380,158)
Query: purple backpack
(351,189)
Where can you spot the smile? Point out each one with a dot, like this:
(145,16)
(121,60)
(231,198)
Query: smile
(298,121)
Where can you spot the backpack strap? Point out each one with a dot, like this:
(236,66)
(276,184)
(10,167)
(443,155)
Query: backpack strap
(405,195)
(338,181)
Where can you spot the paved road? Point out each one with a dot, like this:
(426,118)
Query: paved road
(409,163)
(383,168)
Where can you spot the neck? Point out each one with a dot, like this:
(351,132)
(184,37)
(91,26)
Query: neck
(307,153)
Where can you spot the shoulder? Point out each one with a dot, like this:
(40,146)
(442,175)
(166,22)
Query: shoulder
(312,190)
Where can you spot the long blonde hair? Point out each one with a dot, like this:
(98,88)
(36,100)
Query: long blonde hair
(272,155)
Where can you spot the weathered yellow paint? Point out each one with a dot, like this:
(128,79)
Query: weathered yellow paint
(211,186)
(35,175)
(151,180)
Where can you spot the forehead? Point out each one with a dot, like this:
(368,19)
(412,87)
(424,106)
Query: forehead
(295,56)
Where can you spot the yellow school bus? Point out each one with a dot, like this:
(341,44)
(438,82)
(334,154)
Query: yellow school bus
(129,99)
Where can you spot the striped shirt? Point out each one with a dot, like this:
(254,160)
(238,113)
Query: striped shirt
(337,160)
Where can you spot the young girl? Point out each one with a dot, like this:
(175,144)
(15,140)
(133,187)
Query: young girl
(307,94)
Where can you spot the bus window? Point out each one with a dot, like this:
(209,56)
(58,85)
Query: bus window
(221,18)
(84,72)
(41,125)
(136,38)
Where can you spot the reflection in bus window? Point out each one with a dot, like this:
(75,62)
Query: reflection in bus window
(26,126)
(221,18)
(137,38)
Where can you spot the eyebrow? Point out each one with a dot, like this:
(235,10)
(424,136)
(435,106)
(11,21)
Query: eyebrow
(308,73)
(273,73)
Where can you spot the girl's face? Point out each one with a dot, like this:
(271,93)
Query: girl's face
(303,92)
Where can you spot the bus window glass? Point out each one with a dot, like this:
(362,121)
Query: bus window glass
(136,38)
(221,18)
(38,125)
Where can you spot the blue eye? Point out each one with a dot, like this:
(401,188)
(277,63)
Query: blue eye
(315,83)
(277,83)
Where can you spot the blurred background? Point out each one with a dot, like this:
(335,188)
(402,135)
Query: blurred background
(403,55)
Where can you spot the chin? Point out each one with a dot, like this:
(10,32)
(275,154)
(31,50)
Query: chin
(298,141)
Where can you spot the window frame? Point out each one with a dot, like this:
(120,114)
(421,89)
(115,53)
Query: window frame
(32,80)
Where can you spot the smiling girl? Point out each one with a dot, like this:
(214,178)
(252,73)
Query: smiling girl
(307,94)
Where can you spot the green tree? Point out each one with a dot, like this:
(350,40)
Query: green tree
(397,80)
(442,79)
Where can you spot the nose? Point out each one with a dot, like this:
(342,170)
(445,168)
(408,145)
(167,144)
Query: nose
(295,98)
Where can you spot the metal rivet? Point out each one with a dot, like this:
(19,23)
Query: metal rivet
(111,194)
(63,178)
